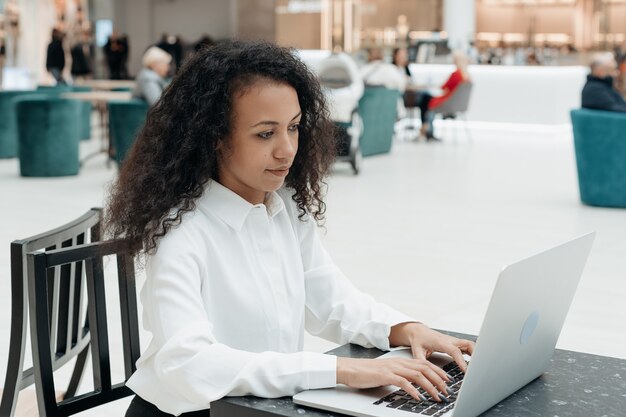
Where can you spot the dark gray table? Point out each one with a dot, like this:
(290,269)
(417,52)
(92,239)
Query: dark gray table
(575,385)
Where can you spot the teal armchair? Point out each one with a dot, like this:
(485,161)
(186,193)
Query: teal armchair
(600,145)
(126,118)
(379,109)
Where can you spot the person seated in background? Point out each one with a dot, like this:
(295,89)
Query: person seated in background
(379,73)
(400,58)
(426,101)
(599,92)
(151,80)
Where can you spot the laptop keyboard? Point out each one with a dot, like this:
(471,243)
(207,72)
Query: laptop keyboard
(402,401)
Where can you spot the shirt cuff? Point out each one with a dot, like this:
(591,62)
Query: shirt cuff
(394,317)
(321,370)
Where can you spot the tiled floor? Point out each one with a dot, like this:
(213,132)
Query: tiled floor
(426,229)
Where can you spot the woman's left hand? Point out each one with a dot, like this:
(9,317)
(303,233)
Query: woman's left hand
(424,342)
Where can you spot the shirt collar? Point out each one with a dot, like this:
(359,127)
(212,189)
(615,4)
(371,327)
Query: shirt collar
(232,208)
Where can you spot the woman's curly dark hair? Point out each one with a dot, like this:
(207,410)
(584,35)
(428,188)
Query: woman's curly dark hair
(177,151)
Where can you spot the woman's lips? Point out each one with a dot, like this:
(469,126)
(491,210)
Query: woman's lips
(279,172)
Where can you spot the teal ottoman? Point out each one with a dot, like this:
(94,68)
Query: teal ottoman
(126,118)
(600,145)
(48,133)
(8,122)
(86,107)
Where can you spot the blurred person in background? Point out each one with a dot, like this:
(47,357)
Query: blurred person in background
(599,92)
(3,53)
(173,46)
(426,101)
(410,94)
(55,56)
(82,53)
(204,41)
(125,52)
(116,52)
(379,73)
(151,80)
(400,58)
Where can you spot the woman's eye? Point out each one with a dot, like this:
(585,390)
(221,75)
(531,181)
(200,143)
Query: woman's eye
(265,135)
(294,128)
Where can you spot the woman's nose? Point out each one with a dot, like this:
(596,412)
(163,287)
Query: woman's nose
(287,145)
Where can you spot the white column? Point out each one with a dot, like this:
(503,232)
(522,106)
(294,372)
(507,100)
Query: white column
(37,18)
(459,21)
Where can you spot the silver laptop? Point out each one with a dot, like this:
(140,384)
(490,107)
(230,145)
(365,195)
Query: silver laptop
(516,341)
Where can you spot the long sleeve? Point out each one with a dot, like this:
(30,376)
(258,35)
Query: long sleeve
(187,366)
(335,309)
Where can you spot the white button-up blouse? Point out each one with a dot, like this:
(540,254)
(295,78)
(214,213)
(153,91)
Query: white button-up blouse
(227,297)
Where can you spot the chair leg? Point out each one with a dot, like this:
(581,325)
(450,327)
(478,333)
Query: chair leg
(16,379)
(467,130)
(77,373)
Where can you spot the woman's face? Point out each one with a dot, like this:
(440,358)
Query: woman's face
(263,142)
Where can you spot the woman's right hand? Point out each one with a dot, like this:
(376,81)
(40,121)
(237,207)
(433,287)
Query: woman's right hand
(370,373)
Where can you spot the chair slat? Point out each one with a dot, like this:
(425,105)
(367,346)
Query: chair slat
(96,311)
(40,331)
(129,314)
(63,319)
(69,328)
(54,291)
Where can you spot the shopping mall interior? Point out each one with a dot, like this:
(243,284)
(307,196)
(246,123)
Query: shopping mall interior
(422,219)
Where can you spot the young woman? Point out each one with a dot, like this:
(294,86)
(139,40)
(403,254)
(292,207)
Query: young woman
(222,192)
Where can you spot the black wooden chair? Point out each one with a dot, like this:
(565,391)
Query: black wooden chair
(82,230)
(60,265)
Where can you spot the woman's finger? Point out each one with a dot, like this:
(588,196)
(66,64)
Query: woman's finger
(456,354)
(408,387)
(418,352)
(437,379)
(467,346)
(421,380)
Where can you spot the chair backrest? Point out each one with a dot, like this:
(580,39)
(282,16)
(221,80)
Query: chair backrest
(600,146)
(69,329)
(378,108)
(47,271)
(126,118)
(71,336)
(458,100)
